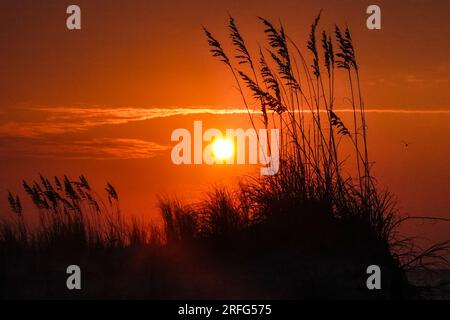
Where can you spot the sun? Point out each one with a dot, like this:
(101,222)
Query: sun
(223,149)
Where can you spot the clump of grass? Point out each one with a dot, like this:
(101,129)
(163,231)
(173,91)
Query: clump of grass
(71,214)
(14,231)
(220,216)
(311,174)
(310,150)
(180,221)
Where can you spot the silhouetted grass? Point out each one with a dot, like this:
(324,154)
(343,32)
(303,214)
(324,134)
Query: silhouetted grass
(309,231)
(71,215)
(311,182)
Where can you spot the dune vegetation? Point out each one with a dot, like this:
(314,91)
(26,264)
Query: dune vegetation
(309,231)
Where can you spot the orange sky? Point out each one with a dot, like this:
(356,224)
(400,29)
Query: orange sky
(153,53)
(97,101)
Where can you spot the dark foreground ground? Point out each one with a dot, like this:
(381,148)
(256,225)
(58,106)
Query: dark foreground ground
(141,273)
(291,265)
